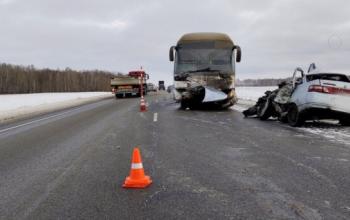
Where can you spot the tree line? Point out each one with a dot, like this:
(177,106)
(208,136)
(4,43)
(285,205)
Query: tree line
(261,82)
(28,79)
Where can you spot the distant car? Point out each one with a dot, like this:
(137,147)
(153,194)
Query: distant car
(170,88)
(161,85)
(151,87)
(319,95)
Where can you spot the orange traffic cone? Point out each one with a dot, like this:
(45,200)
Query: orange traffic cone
(137,177)
(143,107)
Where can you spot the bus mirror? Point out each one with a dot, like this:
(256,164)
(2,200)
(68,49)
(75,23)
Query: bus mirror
(238,53)
(171,53)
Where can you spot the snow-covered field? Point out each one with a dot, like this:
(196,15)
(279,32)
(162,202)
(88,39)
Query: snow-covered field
(247,96)
(20,105)
(252,93)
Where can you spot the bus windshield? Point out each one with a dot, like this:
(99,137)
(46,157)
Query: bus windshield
(190,59)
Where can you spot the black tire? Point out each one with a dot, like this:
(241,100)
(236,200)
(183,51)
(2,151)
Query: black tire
(118,96)
(295,118)
(183,105)
(345,121)
(283,119)
(283,113)
(265,110)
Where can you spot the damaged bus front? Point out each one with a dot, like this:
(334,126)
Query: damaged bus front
(204,70)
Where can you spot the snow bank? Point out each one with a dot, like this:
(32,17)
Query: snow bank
(247,96)
(20,105)
(335,133)
(252,93)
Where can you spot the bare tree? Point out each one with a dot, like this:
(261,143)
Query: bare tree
(28,79)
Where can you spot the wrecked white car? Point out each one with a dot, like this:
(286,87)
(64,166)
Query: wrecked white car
(312,96)
(319,95)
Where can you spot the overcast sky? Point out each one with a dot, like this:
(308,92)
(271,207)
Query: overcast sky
(115,35)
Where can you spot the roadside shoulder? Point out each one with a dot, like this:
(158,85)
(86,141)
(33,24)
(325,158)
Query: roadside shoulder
(24,111)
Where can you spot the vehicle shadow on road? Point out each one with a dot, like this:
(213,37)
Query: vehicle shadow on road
(334,124)
(323,124)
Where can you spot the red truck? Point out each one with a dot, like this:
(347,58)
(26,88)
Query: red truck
(130,85)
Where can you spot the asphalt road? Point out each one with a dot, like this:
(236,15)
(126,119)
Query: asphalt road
(204,165)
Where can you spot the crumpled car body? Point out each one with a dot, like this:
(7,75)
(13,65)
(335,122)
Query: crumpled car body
(322,95)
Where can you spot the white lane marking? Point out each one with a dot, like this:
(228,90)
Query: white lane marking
(136,166)
(155,117)
(35,121)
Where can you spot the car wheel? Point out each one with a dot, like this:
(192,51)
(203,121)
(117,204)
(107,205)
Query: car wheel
(295,118)
(183,105)
(283,118)
(265,110)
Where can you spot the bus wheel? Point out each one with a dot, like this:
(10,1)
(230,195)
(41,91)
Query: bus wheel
(118,96)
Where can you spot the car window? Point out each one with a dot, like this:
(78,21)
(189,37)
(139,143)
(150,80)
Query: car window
(299,80)
(325,76)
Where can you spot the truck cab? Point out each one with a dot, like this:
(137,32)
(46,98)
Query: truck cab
(204,70)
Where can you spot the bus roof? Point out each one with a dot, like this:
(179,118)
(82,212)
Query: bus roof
(205,36)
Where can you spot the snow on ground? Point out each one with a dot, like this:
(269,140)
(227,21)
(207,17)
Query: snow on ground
(253,93)
(247,96)
(15,106)
(330,129)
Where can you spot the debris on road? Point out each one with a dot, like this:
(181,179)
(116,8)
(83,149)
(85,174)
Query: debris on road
(272,104)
